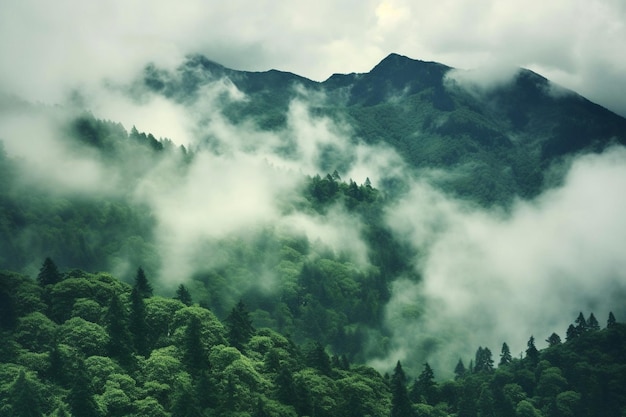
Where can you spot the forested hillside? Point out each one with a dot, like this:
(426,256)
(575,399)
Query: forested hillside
(83,344)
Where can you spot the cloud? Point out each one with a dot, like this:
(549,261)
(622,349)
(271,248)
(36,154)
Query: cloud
(480,81)
(49,50)
(492,277)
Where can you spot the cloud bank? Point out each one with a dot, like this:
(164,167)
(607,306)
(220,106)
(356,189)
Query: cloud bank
(493,277)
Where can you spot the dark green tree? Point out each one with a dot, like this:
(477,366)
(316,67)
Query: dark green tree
(531,351)
(61,411)
(239,326)
(137,323)
(571,333)
(194,354)
(120,344)
(285,389)
(553,340)
(611,321)
(185,403)
(484,360)
(260,410)
(48,274)
(505,355)
(317,358)
(24,397)
(142,284)
(424,389)
(183,295)
(592,323)
(81,396)
(581,324)
(400,402)
(459,369)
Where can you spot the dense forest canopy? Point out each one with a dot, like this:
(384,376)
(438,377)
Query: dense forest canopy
(397,219)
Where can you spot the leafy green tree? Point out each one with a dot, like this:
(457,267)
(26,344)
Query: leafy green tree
(183,295)
(239,326)
(400,402)
(35,332)
(25,397)
(120,344)
(142,284)
(87,337)
(505,355)
(61,411)
(137,325)
(317,358)
(49,273)
(486,402)
(611,320)
(553,340)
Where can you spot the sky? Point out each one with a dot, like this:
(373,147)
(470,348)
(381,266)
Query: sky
(49,49)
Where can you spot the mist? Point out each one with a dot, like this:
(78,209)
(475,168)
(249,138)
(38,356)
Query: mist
(494,276)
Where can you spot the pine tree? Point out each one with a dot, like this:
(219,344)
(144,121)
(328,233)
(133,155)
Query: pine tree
(239,326)
(48,274)
(531,351)
(81,397)
(137,323)
(24,397)
(425,386)
(183,295)
(484,361)
(611,321)
(459,369)
(120,340)
(194,355)
(581,324)
(400,403)
(553,340)
(505,355)
(142,284)
(571,333)
(317,358)
(592,323)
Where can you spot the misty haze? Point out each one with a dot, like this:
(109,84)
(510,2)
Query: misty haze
(183,238)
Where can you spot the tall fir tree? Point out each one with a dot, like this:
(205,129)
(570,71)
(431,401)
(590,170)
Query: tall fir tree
(424,389)
(531,351)
(592,323)
(553,340)
(505,355)
(183,295)
(581,324)
(81,396)
(611,320)
(400,402)
(137,325)
(120,344)
(49,273)
(194,354)
(484,360)
(459,369)
(142,284)
(239,326)
(24,397)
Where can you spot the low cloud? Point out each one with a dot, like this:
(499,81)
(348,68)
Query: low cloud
(480,81)
(490,277)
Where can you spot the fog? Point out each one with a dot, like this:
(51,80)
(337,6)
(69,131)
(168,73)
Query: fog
(490,276)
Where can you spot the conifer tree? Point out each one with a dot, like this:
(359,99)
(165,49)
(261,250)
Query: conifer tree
(24,397)
(142,284)
(137,323)
(484,361)
(81,397)
(553,340)
(120,340)
(611,321)
(48,274)
(459,369)
(194,355)
(531,351)
(581,324)
(239,326)
(505,355)
(317,358)
(183,295)
(400,403)
(426,386)
(571,333)
(592,323)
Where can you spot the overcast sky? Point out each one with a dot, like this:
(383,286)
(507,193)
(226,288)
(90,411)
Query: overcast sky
(50,47)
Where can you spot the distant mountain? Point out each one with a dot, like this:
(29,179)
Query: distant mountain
(498,141)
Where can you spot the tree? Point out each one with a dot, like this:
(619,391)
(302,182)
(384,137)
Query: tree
(120,340)
(531,351)
(571,333)
(505,355)
(48,274)
(459,369)
(592,323)
(424,389)
(142,284)
(581,324)
(194,355)
(553,340)
(400,403)
(484,362)
(183,295)
(137,323)
(24,397)
(81,397)
(239,326)
(317,358)
(611,321)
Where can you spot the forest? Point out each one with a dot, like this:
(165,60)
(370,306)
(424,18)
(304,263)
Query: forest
(87,344)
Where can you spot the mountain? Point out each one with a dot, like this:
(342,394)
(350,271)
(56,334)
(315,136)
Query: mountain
(499,140)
